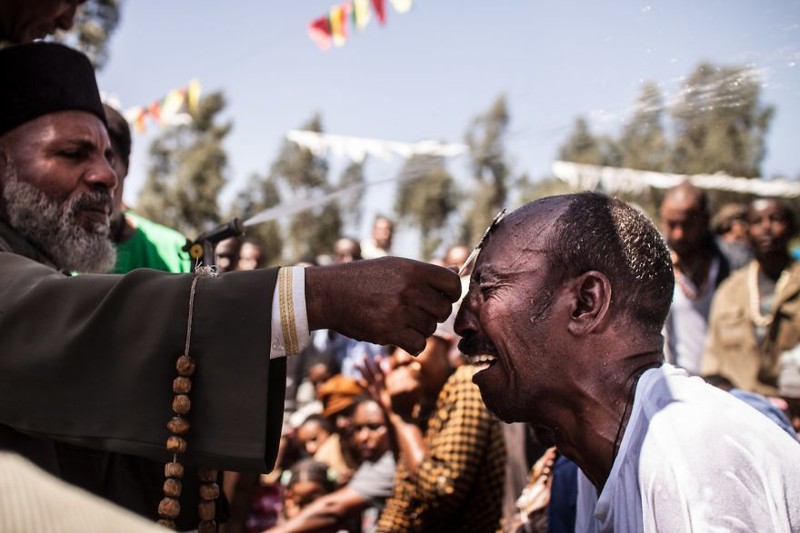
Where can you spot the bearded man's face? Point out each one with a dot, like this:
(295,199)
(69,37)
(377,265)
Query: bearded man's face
(57,188)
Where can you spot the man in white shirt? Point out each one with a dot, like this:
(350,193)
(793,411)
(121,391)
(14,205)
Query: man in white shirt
(563,317)
(699,268)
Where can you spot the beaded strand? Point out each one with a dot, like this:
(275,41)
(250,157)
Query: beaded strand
(169,508)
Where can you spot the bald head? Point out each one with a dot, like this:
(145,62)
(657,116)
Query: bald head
(685,218)
(346,250)
(590,231)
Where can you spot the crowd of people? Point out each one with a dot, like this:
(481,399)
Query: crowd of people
(345,395)
(586,373)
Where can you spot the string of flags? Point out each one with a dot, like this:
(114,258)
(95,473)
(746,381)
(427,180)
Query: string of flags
(357,148)
(176,108)
(331,29)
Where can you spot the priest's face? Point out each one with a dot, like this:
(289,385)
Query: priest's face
(57,181)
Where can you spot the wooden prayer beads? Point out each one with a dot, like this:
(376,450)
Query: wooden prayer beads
(169,508)
(209,492)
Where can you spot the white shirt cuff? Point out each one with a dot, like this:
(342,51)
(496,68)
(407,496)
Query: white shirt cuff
(289,319)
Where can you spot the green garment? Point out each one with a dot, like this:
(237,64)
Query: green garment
(151,246)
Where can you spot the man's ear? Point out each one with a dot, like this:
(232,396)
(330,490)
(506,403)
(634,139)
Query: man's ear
(591,292)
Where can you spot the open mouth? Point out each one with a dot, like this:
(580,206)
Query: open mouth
(481,361)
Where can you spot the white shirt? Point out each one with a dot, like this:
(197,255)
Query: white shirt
(687,323)
(695,458)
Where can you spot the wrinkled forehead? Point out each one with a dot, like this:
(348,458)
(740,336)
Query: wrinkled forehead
(70,125)
(524,232)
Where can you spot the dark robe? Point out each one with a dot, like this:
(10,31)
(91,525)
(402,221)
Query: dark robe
(88,362)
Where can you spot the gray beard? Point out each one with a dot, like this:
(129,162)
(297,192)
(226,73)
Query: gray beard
(54,229)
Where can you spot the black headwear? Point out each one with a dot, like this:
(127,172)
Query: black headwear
(42,78)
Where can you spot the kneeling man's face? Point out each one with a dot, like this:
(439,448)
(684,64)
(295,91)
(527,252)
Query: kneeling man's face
(506,319)
(57,184)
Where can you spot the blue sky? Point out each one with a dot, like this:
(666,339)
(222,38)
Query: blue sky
(428,72)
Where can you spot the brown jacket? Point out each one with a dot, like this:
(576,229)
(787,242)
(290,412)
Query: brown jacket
(731,347)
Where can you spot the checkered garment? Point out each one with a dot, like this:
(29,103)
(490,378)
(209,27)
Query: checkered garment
(459,484)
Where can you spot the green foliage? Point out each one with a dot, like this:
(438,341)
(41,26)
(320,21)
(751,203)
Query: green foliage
(720,123)
(427,195)
(187,171)
(529,190)
(95,21)
(582,146)
(643,144)
(305,175)
(352,176)
(260,194)
(490,169)
(296,173)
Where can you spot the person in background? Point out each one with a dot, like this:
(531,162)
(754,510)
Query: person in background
(339,396)
(451,455)
(380,243)
(456,256)
(346,250)
(363,497)
(699,268)
(729,225)
(562,324)
(313,433)
(306,481)
(227,254)
(755,316)
(140,243)
(251,256)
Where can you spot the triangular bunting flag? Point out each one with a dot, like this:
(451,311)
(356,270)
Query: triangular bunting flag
(320,32)
(140,120)
(379,6)
(361,13)
(401,6)
(155,111)
(338,16)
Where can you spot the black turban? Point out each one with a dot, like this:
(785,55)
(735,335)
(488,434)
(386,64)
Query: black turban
(41,78)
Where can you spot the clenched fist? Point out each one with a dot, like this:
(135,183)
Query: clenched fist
(390,300)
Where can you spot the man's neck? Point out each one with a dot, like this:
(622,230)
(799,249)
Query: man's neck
(695,264)
(774,264)
(591,432)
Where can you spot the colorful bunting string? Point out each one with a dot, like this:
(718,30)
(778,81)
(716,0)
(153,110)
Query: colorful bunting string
(177,107)
(331,29)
